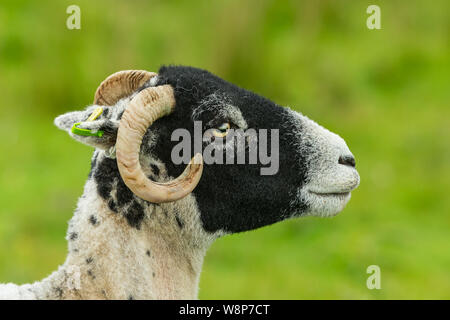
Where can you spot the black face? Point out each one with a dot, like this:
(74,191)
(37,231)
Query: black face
(232,197)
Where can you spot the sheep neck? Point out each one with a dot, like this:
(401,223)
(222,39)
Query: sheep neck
(109,259)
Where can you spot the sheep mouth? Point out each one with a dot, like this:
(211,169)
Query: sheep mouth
(323,203)
(331,194)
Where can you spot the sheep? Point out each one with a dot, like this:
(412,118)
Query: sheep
(138,233)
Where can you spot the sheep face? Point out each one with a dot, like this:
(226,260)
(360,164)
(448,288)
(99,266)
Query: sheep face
(311,171)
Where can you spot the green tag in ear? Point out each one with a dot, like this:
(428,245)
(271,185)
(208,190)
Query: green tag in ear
(86,132)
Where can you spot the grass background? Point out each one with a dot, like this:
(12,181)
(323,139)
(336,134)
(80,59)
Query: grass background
(386,92)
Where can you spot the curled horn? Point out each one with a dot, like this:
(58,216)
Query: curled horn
(145,108)
(119,85)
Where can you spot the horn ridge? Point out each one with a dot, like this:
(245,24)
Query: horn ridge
(119,85)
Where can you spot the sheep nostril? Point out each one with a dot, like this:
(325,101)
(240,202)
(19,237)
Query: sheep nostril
(347,161)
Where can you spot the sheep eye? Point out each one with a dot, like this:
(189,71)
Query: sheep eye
(221,131)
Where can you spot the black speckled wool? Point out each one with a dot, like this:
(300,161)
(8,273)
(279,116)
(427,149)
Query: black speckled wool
(107,177)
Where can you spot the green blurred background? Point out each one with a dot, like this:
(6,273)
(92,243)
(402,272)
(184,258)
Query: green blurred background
(386,92)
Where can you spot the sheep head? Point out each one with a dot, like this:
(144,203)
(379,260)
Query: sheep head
(314,173)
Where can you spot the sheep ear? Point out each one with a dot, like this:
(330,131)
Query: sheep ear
(91,127)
